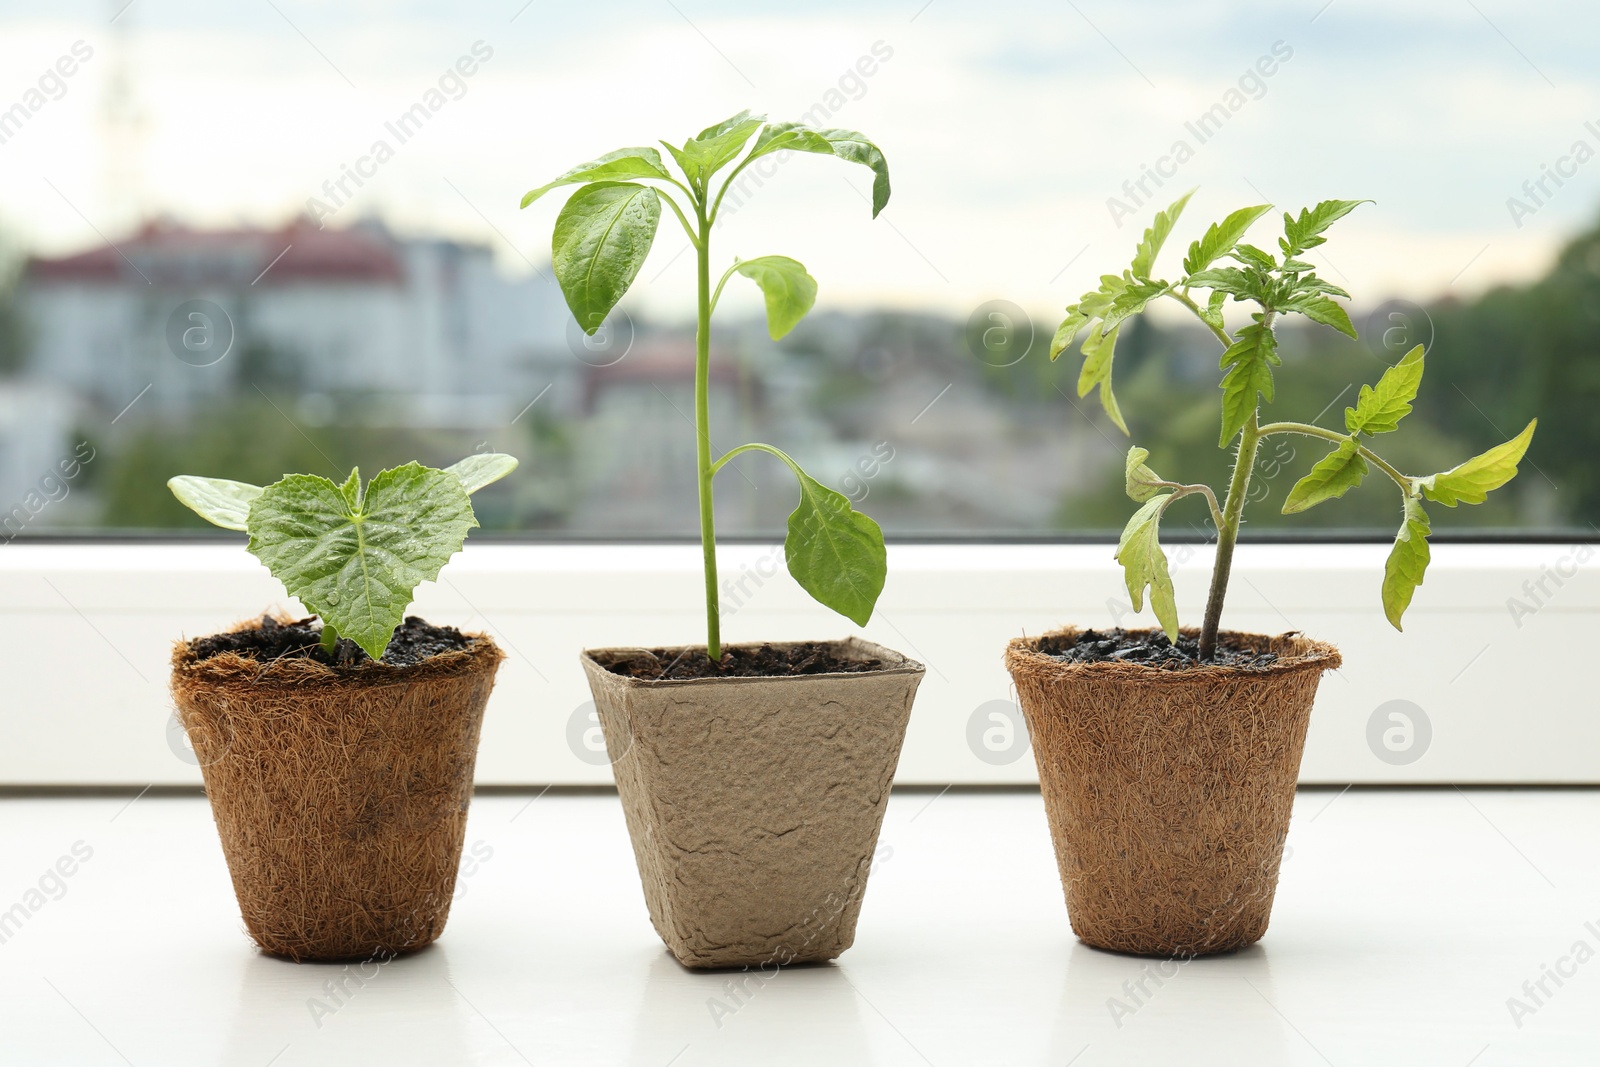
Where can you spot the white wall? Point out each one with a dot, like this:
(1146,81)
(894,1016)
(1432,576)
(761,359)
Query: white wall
(87,632)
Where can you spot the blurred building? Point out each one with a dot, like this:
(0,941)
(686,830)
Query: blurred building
(183,315)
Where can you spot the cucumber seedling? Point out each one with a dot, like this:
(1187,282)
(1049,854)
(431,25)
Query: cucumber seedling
(353,554)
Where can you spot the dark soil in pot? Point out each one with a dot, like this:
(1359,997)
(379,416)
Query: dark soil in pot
(754,801)
(339,789)
(1168,784)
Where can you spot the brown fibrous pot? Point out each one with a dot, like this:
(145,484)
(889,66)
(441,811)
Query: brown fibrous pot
(1169,792)
(340,793)
(754,804)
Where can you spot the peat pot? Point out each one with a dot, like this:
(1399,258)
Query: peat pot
(1169,791)
(754,803)
(340,792)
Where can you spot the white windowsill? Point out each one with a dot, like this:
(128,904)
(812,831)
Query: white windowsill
(89,629)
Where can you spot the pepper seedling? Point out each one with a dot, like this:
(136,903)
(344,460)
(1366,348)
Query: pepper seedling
(353,554)
(1227,268)
(603,234)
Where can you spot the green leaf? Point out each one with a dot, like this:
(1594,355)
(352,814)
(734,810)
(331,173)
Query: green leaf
(1141,482)
(1098,349)
(1131,301)
(846,144)
(791,137)
(1472,481)
(1144,564)
(714,147)
(623,163)
(356,558)
(1310,283)
(1220,237)
(1211,314)
(1224,280)
(481,469)
(1408,561)
(1144,258)
(1305,232)
(1334,475)
(217,500)
(1379,409)
(1254,256)
(1250,360)
(602,237)
(1319,308)
(835,552)
(1068,329)
(788,289)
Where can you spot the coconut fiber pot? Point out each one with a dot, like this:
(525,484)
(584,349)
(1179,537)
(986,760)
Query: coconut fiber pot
(1169,791)
(340,793)
(754,804)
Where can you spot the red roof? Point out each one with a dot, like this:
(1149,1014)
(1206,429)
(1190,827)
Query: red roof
(169,254)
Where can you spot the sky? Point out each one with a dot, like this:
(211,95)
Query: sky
(1010,126)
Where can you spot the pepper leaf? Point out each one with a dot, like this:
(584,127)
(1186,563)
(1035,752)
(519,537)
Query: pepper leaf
(623,163)
(835,552)
(602,237)
(846,144)
(1407,563)
(1472,481)
(1380,408)
(788,290)
(1334,475)
(356,558)
(1144,564)
(714,147)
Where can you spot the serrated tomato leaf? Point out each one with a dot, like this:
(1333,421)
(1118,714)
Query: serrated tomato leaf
(1472,481)
(1407,562)
(1144,564)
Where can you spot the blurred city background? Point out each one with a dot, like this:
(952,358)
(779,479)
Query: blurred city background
(202,269)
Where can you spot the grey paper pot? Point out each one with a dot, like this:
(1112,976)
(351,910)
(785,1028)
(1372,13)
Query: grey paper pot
(754,804)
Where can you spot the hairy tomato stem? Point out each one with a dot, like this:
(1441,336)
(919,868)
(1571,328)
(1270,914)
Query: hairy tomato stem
(1228,534)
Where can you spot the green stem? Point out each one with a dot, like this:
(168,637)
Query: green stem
(702,426)
(716,206)
(1228,534)
(676,210)
(330,637)
(717,294)
(1179,491)
(1184,299)
(1363,451)
(756,447)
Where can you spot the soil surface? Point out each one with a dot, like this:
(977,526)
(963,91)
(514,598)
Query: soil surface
(768,661)
(413,642)
(1153,650)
